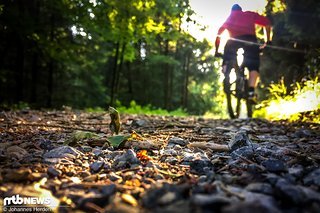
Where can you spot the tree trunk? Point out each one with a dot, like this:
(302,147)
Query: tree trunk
(19,68)
(34,78)
(129,79)
(120,63)
(166,78)
(186,81)
(35,59)
(51,65)
(19,71)
(114,74)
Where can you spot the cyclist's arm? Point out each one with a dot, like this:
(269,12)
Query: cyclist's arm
(266,23)
(267,33)
(217,42)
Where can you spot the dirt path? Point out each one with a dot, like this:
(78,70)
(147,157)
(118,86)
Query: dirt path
(157,164)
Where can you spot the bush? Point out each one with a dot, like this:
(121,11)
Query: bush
(302,103)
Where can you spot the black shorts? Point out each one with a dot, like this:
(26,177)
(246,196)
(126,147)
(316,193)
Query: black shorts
(251,57)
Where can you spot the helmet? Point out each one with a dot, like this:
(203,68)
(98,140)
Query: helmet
(236,7)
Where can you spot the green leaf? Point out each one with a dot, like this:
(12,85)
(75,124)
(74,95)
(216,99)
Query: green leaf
(116,140)
(78,136)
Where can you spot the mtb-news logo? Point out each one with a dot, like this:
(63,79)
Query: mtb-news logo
(16,203)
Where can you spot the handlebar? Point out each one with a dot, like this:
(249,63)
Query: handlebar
(261,48)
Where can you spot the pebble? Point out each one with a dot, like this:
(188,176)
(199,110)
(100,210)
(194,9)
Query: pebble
(200,166)
(126,159)
(96,166)
(213,201)
(174,177)
(240,139)
(176,141)
(16,152)
(289,193)
(276,166)
(53,172)
(313,178)
(263,188)
(63,152)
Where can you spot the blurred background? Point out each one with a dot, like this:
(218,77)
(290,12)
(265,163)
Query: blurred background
(149,55)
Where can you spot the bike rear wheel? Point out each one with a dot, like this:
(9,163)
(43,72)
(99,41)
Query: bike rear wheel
(236,91)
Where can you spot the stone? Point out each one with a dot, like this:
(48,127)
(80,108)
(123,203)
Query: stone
(177,141)
(16,152)
(313,178)
(240,139)
(303,133)
(127,159)
(200,166)
(93,197)
(276,166)
(290,193)
(139,123)
(96,166)
(211,200)
(53,172)
(63,152)
(171,160)
(86,148)
(170,152)
(109,190)
(311,195)
(262,205)
(167,198)
(263,188)
(97,152)
(245,151)
(19,175)
(46,144)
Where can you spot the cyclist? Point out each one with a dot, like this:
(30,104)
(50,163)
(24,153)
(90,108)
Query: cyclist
(241,28)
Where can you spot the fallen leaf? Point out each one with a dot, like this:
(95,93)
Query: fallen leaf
(129,199)
(143,155)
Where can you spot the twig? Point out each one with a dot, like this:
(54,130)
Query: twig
(251,162)
(128,170)
(301,155)
(223,168)
(212,146)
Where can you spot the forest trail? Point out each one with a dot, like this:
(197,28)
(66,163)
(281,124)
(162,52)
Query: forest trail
(157,163)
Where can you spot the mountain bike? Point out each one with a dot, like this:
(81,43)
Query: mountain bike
(236,90)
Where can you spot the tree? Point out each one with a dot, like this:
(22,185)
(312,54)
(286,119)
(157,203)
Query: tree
(94,53)
(296,33)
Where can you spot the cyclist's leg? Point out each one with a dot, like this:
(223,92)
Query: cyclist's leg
(229,57)
(253,78)
(252,62)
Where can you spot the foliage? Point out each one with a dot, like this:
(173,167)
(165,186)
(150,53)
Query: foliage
(134,108)
(302,103)
(295,46)
(87,54)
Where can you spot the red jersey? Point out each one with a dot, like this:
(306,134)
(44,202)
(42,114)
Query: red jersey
(243,23)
